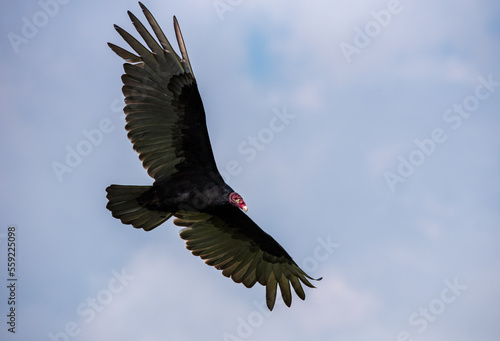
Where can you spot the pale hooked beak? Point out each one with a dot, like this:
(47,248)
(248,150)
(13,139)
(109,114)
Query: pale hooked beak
(244,208)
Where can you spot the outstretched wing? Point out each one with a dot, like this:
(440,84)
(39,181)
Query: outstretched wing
(164,112)
(229,240)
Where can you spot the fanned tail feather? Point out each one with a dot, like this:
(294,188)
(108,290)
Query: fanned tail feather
(124,205)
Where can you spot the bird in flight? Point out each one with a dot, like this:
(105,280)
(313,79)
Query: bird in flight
(167,127)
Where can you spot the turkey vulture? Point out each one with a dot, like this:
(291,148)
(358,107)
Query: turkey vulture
(166,125)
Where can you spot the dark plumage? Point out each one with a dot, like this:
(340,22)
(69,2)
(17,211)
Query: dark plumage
(166,125)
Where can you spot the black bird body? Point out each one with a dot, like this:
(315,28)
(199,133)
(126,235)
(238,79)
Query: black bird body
(197,192)
(167,127)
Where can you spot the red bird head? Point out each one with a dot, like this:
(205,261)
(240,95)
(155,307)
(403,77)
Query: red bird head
(236,200)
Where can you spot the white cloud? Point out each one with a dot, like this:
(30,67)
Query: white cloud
(335,305)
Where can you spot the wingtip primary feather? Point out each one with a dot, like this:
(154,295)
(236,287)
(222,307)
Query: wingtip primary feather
(128,56)
(271,288)
(182,47)
(157,30)
(286,293)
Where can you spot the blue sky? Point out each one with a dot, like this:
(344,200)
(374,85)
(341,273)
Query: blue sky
(381,175)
